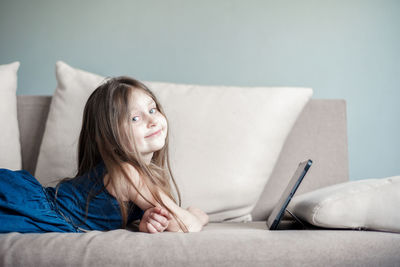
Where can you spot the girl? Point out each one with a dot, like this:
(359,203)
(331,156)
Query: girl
(123,173)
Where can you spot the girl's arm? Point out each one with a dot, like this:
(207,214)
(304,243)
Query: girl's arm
(192,222)
(201,215)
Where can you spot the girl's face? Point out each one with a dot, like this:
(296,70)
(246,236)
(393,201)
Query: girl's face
(148,125)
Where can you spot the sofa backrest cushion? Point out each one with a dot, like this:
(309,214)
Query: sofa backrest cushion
(320,134)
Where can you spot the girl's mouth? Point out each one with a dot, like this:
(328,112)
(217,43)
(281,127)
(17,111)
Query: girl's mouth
(154,134)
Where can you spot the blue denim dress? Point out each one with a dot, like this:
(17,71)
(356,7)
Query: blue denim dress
(27,207)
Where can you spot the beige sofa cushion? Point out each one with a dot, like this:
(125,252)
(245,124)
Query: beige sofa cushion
(58,152)
(365,204)
(225,140)
(217,245)
(10,147)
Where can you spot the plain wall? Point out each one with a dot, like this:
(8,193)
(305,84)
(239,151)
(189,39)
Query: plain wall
(342,49)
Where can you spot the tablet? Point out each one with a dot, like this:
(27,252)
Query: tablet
(279,210)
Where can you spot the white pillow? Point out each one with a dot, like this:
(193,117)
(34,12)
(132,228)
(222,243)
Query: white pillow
(10,146)
(224,140)
(58,152)
(365,204)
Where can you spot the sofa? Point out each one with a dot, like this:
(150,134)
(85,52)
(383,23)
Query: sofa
(319,134)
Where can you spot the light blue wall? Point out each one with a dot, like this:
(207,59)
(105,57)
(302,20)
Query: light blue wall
(342,49)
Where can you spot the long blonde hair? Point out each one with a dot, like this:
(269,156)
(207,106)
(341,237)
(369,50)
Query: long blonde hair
(105,125)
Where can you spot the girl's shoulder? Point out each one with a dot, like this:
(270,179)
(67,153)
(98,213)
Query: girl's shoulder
(122,185)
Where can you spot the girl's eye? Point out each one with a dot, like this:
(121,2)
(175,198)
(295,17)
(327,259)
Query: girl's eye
(136,118)
(154,110)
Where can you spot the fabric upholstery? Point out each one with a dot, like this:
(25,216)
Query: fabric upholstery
(58,151)
(366,204)
(32,116)
(219,244)
(320,134)
(10,147)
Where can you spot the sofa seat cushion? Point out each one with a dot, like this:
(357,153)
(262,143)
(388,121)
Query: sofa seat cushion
(219,244)
(366,204)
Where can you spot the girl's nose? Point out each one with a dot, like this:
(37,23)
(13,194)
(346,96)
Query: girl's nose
(151,121)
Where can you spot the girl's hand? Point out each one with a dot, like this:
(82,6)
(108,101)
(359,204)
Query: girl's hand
(154,220)
(201,215)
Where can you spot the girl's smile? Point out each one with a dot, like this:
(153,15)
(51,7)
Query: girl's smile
(157,133)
